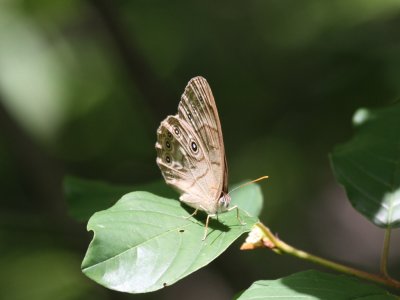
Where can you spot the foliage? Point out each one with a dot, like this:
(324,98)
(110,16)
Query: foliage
(84,85)
(368,166)
(145,242)
(314,285)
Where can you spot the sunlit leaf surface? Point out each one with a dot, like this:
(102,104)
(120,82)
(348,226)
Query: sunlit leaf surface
(144,242)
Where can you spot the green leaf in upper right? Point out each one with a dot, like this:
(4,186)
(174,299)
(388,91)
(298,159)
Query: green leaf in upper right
(368,166)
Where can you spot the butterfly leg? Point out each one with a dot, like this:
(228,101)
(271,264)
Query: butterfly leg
(206,229)
(194,213)
(237,214)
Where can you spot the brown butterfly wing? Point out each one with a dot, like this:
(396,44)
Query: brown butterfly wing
(190,148)
(198,108)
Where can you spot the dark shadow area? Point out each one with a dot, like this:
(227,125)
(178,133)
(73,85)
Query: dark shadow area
(201,216)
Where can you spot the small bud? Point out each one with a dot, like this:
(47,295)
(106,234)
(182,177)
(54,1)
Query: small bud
(254,239)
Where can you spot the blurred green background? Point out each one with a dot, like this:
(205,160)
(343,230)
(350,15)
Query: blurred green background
(85,84)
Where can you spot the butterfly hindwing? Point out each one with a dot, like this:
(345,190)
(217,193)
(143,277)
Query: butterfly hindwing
(184,165)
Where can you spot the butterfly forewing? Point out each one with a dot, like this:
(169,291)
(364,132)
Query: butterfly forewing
(198,108)
(190,149)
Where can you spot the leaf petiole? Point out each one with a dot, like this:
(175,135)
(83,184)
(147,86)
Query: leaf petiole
(385,252)
(272,242)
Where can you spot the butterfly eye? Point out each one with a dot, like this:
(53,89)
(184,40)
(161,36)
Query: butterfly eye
(168,144)
(177,131)
(194,147)
(224,201)
(169,134)
(168,159)
(189,115)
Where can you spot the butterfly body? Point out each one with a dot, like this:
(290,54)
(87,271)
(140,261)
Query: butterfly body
(190,150)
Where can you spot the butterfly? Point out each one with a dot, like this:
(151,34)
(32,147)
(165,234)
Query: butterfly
(191,153)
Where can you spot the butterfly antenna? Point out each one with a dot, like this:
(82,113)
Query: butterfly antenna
(247,183)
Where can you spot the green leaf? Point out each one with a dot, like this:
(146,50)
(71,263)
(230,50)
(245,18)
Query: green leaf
(144,242)
(85,197)
(248,198)
(368,166)
(314,285)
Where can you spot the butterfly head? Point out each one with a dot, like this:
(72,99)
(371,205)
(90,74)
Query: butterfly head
(223,202)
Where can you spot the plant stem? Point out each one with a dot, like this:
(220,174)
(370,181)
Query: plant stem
(385,252)
(287,249)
